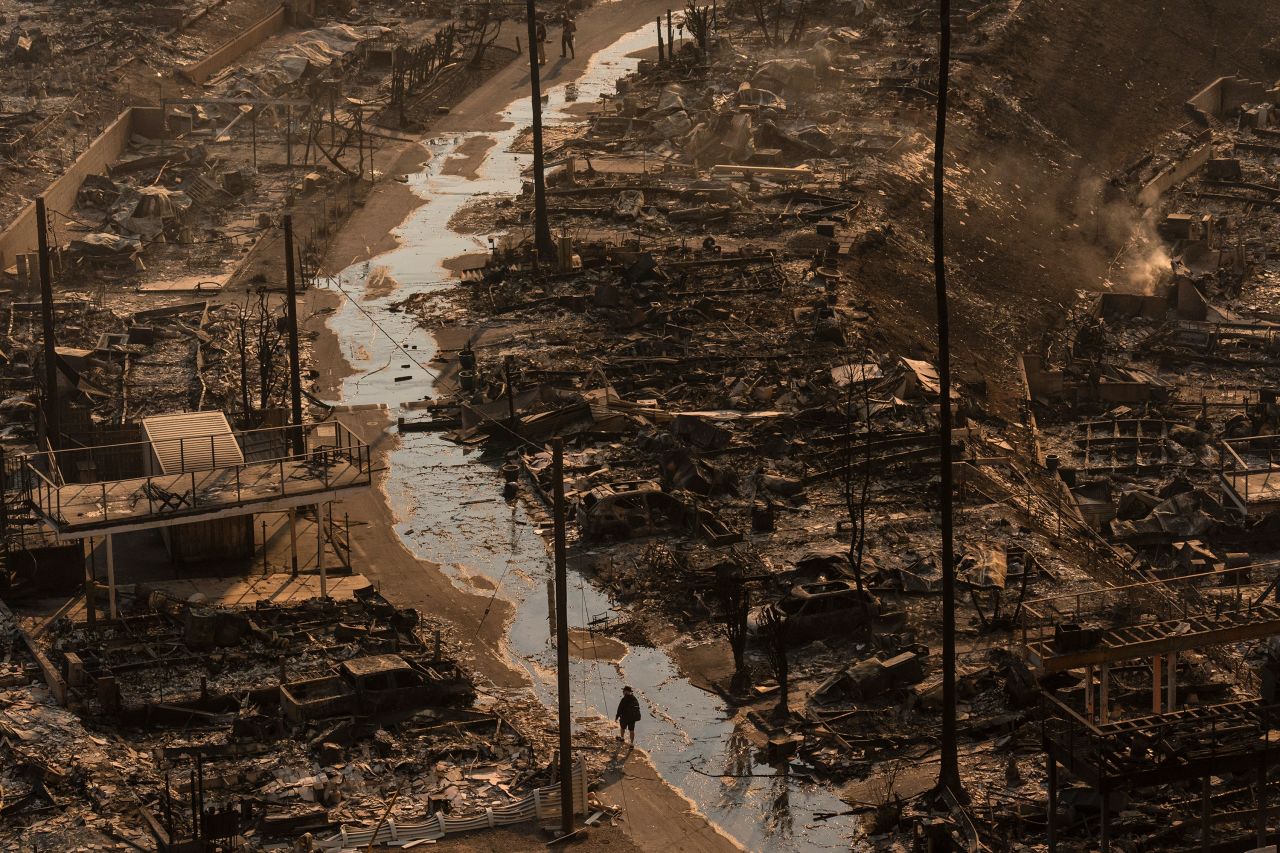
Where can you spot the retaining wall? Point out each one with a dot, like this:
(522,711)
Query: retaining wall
(226,53)
(20,237)
(1173,175)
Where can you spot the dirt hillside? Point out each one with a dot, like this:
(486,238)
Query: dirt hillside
(1054,100)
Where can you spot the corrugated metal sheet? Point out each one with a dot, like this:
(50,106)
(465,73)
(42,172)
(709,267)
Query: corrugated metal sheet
(192,441)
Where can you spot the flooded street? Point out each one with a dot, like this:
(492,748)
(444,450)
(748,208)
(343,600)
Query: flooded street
(450,512)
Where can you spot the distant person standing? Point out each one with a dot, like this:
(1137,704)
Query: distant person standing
(568,27)
(628,715)
(540,32)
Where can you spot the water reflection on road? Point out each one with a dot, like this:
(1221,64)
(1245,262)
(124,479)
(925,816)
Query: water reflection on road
(451,513)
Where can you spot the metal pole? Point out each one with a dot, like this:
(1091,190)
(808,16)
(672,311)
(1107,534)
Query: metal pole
(1262,798)
(293,540)
(291,307)
(90,599)
(1204,814)
(511,393)
(288,137)
(52,426)
(1052,782)
(562,640)
(541,224)
(324,580)
(1104,840)
(661,58)
(111,577)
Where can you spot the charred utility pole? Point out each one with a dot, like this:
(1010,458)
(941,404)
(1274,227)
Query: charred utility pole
(52,421)
(949,773)
(291,318)
(542,241)
(562,640)
(661,58)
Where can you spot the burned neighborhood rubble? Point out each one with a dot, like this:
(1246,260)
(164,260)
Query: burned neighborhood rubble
(392,406)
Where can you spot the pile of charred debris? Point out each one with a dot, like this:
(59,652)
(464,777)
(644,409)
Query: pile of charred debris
(271,723)
(747,458)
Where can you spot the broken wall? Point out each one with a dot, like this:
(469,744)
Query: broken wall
(1225,94)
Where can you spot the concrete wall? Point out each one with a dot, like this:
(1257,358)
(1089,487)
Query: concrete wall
(228,52)
(1041,384)
(1226,94)
(1173,175)
(20,236)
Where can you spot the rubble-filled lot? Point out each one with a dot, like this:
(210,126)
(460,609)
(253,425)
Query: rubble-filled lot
(749,444)
(278,719)
(733,337)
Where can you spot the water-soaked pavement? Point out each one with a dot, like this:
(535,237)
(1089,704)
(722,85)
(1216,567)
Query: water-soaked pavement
(453,515)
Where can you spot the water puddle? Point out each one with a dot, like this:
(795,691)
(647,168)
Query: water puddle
(452,514)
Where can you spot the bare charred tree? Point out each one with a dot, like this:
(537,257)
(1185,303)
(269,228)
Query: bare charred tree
(798,24)
(761,10)
(484,32)
(735,605)
(774,630)
(697,20)
(242,346)
(259,341)
(855,498)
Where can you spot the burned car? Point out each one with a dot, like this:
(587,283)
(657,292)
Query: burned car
(814,610)
(637,508)
(376,684)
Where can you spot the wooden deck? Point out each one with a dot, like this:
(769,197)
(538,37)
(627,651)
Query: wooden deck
(116,506)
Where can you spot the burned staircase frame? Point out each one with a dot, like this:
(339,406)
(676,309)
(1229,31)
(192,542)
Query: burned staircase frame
(1170,745)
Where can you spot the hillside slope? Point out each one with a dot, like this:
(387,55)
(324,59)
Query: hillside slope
(1049,102)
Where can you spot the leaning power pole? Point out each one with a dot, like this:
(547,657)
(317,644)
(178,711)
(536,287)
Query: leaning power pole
(541,225)
(949,773)
(562,640)
(291,320)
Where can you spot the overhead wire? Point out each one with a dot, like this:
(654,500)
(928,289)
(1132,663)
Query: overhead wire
(521,440)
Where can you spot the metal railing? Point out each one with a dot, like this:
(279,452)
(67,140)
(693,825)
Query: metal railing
(333,456)
(1236,470)
(1041,616)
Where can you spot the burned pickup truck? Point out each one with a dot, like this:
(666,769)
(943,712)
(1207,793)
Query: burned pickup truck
(375,685)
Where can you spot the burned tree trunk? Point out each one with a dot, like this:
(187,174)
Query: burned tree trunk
(735,604)
(774,628)
(856,502)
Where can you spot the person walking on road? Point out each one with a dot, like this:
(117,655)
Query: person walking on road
(540,31)
(628,715)
(568,26)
